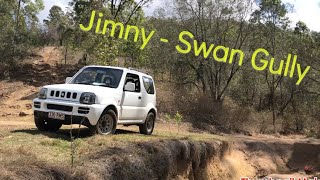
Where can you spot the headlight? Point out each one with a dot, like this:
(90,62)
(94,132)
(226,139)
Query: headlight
(43,93)
(87,98)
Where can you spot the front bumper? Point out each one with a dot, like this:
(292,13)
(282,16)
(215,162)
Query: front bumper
(91,114)
(68,119)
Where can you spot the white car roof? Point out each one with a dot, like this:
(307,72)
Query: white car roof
(121,68)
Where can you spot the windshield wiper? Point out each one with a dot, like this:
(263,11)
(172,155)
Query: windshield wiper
(84,83)
(102,85)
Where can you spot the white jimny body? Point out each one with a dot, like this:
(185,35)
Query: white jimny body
(99,97)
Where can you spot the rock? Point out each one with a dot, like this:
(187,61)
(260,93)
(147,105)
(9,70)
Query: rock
(309,169)
(277,135)
(15,107)
(28,106)
(6,114)
(262,173)
(21,114)
(247,133)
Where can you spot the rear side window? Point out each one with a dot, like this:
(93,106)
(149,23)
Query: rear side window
(148,85)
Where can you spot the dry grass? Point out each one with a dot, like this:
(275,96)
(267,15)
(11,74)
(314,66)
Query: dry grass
(31,146)
(28,153)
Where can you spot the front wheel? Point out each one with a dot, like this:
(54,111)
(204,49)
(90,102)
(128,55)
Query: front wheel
(107,124)
(148,126)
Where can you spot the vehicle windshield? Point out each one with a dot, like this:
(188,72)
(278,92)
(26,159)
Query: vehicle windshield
(99,76)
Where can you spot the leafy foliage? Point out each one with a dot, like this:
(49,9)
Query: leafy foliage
(19,26)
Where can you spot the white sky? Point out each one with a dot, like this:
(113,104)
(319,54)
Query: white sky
(47,6)
(307,11)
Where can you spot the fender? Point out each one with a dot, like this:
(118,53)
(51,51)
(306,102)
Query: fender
(107,102)
(148,109)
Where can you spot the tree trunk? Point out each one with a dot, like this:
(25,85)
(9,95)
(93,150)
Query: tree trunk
(16,32)
(65,55)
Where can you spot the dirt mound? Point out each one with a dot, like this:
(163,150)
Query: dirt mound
(305,154)
(35,171)
(278,157)
(42,74)
(23,86)
(24,79)
(167,159)
(153,160)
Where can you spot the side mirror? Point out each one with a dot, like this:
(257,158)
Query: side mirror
(68,79)
(130,87)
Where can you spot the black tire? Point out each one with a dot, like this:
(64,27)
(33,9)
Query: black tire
(45,125)
(106,125)
(148,126)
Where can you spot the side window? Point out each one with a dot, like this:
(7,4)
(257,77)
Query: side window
(148,85)
(134,79)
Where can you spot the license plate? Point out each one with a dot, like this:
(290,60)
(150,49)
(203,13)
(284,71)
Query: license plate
(56,115)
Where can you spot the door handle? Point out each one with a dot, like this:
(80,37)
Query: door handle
(139,97)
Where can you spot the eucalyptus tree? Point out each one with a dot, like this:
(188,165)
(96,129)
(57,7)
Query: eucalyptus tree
(220,23)
(105,49)
(18,18)
(272,16)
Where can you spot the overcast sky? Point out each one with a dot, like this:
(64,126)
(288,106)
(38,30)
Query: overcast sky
(307,11)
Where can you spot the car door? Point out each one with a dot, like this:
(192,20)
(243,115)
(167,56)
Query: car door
(131,102)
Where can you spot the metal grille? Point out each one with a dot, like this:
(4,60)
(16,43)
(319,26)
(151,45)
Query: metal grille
(60,107)
(82,110)
(63,94)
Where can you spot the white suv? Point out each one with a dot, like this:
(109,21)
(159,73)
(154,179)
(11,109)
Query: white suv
(99,97)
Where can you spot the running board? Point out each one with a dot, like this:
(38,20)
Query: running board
(130,122)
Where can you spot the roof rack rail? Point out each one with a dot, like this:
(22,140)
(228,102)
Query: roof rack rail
(139,70)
